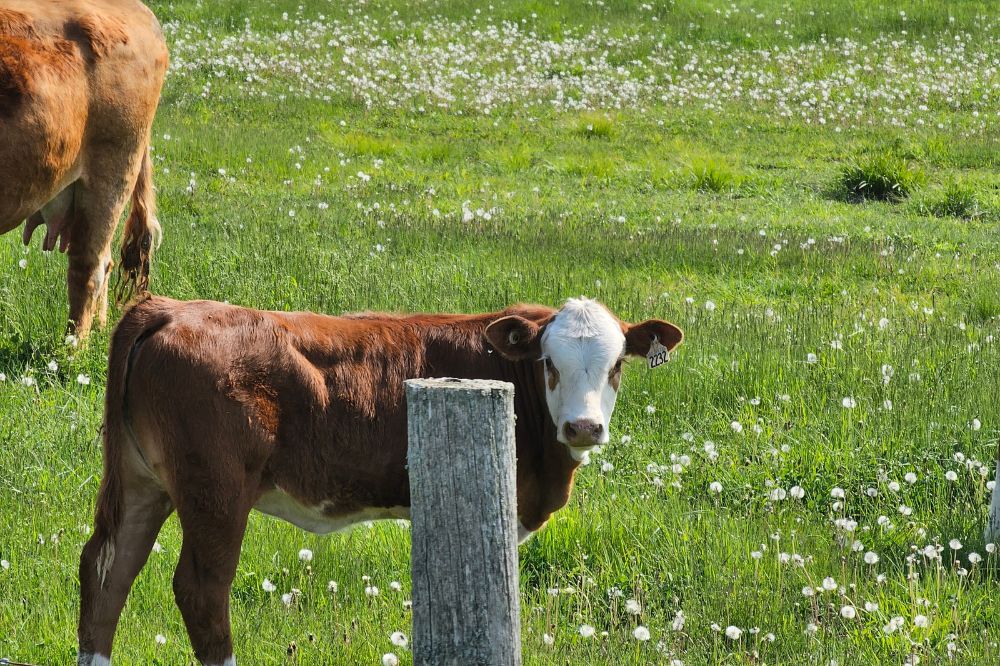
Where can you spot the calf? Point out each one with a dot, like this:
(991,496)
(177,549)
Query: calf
(214,410)
(79,85)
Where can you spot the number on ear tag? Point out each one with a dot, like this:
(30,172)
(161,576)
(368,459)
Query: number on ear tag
(657,355)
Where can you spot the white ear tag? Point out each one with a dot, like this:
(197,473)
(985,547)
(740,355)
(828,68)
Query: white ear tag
(657,355)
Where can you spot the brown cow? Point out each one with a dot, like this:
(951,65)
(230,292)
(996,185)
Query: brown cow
(79,84)
(214,410)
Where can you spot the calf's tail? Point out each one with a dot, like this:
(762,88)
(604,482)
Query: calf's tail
(139,322)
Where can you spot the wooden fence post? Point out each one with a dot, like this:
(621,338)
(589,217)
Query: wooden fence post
(463,496)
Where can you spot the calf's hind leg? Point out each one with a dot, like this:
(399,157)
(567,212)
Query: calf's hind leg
(213,533)
(110,561)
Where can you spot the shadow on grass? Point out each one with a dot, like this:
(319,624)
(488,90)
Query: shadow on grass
(17,354)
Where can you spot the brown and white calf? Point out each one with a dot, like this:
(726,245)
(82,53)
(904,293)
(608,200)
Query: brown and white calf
(79,84)
(213,410)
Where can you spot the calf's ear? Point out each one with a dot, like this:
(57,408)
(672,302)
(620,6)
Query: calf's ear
(516,338)
(639,337)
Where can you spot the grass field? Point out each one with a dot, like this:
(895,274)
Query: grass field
(806,482)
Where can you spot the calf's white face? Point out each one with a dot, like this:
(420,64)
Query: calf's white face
(582,348)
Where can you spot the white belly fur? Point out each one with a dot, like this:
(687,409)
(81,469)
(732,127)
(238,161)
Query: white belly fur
(313,518)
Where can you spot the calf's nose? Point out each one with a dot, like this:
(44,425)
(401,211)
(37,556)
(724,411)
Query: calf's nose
(583,429)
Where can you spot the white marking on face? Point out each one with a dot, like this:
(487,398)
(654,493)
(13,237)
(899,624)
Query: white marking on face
(993,526)
(582,348)
(317,519)
(90,659)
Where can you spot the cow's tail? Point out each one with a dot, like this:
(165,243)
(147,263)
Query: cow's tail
(138,323)
(141,237)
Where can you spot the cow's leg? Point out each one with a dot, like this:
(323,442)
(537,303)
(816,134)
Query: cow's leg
(111,560)
(101,309)
(100,201)
(89,261)
(213,534)
(993,526)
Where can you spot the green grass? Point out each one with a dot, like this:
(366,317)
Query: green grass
(418,185)
(882,177)
(957,200)
(709,175)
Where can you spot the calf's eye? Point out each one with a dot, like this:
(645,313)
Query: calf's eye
(615,376)
(553,374)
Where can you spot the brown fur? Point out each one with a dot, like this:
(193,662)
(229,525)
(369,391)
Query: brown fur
(102,33)
(15,77)
(23,62)
(227,403)
(109,509)
(16,24)
(79,84)
(210,407)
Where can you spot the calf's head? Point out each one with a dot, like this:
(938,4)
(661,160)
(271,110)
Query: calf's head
(581,349)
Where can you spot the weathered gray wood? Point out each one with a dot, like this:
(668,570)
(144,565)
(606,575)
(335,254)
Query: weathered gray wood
(466,608)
